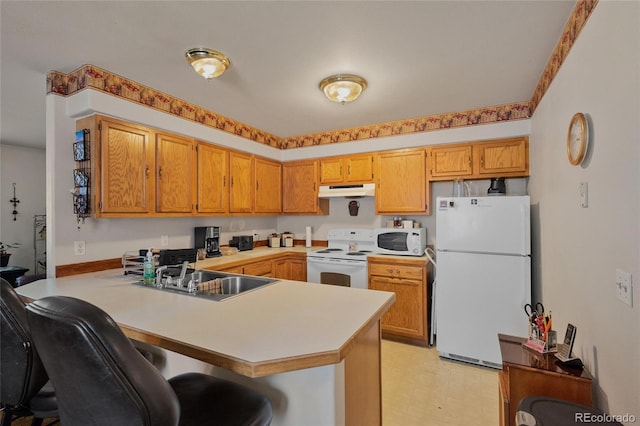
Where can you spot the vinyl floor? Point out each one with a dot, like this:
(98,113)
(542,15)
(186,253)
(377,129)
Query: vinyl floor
(421,389)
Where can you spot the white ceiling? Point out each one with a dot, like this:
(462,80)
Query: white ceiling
(419,57)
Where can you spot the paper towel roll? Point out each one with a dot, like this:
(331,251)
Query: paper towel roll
(308,235)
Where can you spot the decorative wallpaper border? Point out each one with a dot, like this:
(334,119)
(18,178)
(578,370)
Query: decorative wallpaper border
(576,22)
(90,76)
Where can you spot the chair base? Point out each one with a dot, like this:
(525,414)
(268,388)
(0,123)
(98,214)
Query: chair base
(205,399)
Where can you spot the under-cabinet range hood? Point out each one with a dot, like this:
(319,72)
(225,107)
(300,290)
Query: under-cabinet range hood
(363,190)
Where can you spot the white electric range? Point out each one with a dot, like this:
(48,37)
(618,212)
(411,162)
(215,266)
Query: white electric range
(344,261)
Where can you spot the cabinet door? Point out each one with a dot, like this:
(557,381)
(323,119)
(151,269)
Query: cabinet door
(175,180)
(451,161)
(331,170)
(290,268)
(268,190)
(298,269)
(281,269)
(213,169)
(263,268)
(360,168)
(127,163)
(405,316)
(300,188)
(401,182)
(241,182)
(502,157)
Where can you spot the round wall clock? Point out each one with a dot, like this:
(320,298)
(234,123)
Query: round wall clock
(577,139)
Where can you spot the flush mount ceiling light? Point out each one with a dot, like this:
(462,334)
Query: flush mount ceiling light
(343,87)
(207,62)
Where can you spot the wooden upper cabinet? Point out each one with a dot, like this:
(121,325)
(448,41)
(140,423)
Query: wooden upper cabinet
(348,169)
(268,186)
(479,160)
(213,171)
(331,170)
(126,184)
(300,183)
(502,158)
(176,174)
(241,182)
(450,160)
(360,168)
(402,186)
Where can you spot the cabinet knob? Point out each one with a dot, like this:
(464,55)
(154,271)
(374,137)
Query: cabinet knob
(160,172)
(146,172)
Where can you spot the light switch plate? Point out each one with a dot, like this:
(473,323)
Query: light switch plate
(584,194)
(624,289)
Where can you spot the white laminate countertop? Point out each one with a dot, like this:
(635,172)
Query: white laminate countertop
(252,255)
(280,327)
(259,253)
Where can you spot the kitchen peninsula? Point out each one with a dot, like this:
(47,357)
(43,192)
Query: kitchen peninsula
(314,350)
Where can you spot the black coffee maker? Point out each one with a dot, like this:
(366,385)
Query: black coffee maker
(497,187)
(208,238)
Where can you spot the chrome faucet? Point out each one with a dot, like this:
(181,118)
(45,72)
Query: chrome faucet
(159,272)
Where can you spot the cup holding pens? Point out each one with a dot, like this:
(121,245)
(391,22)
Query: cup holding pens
(541,337)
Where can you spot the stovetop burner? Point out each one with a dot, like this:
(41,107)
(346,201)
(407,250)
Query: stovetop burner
(350,244)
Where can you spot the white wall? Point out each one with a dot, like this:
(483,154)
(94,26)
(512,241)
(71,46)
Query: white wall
(577,250)
(26,167)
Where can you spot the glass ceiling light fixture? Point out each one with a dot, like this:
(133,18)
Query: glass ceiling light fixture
(343,87)
(207,62)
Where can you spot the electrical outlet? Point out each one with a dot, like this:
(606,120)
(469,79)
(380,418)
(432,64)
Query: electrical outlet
(624,289)
(164,240)
(78,248)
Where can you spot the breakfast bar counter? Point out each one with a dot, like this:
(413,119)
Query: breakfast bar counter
(313,349)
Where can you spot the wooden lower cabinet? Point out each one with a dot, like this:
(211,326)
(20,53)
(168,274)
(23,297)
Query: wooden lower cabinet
(291,268)
(526,373)
(285,267)
(262,268)
(407,278)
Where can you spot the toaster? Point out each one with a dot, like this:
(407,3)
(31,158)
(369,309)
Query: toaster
(242,242)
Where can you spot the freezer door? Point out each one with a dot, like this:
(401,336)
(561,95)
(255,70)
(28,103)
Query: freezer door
(484,224)
(477,297)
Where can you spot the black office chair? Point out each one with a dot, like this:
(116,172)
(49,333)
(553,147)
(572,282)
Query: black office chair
(537,410)
(26,279)
(101,379)
(24,386)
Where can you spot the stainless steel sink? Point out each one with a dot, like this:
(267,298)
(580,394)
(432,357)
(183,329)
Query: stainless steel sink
(240,284)
(211,285)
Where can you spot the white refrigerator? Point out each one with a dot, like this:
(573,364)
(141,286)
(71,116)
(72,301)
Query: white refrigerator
(483,275)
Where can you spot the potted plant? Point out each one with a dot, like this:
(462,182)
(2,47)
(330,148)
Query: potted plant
(4,255)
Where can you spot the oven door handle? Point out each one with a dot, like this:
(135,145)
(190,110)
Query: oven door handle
(335,261)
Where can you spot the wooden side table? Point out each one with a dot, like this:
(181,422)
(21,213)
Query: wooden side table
(10,273)
(526,372)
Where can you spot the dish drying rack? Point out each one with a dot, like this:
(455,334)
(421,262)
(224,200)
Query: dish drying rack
(133,263)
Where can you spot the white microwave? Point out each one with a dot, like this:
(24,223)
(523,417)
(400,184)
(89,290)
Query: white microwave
(402,241)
